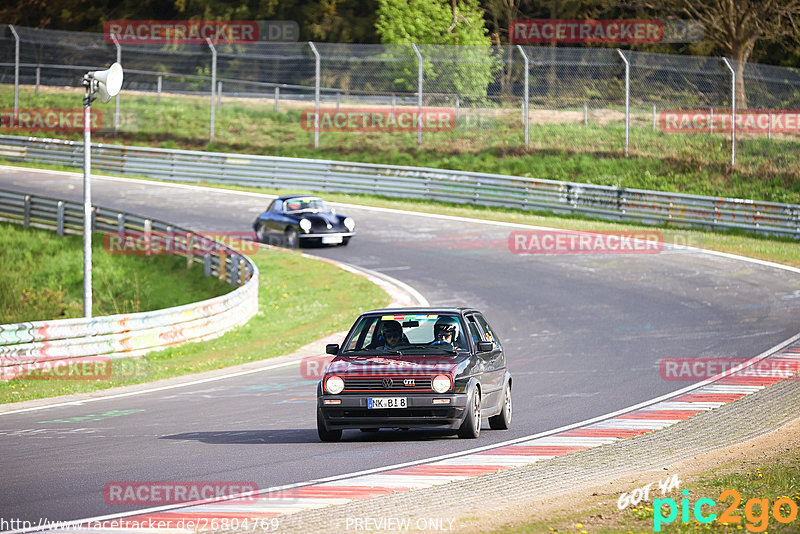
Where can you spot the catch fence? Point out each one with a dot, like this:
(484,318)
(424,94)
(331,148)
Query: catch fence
(497,95)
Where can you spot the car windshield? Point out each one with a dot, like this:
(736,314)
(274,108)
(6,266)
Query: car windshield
(294,205)
(407,334)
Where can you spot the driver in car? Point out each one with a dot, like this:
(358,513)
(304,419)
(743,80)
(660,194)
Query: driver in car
(445,332)
(392,335)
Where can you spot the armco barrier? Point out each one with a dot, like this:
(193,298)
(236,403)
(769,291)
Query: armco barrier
(614,203)
(130,334)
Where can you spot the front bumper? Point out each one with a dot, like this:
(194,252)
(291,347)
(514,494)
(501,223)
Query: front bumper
(420,413)
(318,235)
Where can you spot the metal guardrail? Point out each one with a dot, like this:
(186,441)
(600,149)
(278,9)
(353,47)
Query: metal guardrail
(130,334)
(495,190)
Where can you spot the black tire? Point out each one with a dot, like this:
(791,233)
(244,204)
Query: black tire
(290,238)
(345,241)
(502,421)
(261,233)
(325,434)
(471,427)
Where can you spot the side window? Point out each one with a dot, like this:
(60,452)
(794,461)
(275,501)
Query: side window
(474,330)
(277,205)
(363,334)
(488,332)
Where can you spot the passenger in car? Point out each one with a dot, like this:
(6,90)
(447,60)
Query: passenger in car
(445,333)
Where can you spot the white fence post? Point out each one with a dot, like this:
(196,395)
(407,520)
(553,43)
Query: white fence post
(213,87)
(733,110)
(16,74)
(419,94)
(627,100)
(525,103)
(116,99)
(316,93)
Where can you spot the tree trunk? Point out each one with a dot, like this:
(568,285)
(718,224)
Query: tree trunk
(741,53)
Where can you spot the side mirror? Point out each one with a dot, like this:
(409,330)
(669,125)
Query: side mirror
(485,346)
(333,348)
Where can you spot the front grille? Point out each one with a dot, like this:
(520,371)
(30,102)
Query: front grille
(379,383)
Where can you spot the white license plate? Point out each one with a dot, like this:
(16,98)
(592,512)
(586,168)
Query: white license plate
(387,402)
(332,240)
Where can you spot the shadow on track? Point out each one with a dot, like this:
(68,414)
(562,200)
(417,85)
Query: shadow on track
(307,435)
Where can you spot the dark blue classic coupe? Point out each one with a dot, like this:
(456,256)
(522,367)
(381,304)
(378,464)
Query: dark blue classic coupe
(295,219)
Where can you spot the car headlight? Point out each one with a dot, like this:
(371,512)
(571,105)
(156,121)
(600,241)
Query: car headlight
(441,383)
(305,224)
(334,385)
(349,224)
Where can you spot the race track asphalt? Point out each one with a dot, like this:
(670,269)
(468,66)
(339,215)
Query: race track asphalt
(583,334)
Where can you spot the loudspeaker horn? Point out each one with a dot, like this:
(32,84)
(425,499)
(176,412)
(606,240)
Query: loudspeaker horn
(109,81)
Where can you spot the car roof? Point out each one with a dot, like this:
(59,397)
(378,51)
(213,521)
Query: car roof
(289,197)
(421,310)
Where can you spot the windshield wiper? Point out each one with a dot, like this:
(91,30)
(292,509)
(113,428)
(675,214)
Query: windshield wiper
(375,352)
(433,348)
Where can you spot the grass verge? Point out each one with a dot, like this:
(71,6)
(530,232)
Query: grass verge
(300,300)
(47,279)
(485,140)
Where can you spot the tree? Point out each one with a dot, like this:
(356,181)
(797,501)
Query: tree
(458,22)
(735,26)
(467,70)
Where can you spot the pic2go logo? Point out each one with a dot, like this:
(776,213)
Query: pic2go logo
(756,511)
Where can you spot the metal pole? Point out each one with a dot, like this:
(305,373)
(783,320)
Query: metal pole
(627,99)
(87,198)
(733,110)
(585,113)
(116,100)
(277,97)
(525,102)
(316,93)
(38,78)
(219,94)
(158,88)
(419,94)
(16,74)
(213,86)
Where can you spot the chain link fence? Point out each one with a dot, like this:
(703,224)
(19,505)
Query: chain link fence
(509,96)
